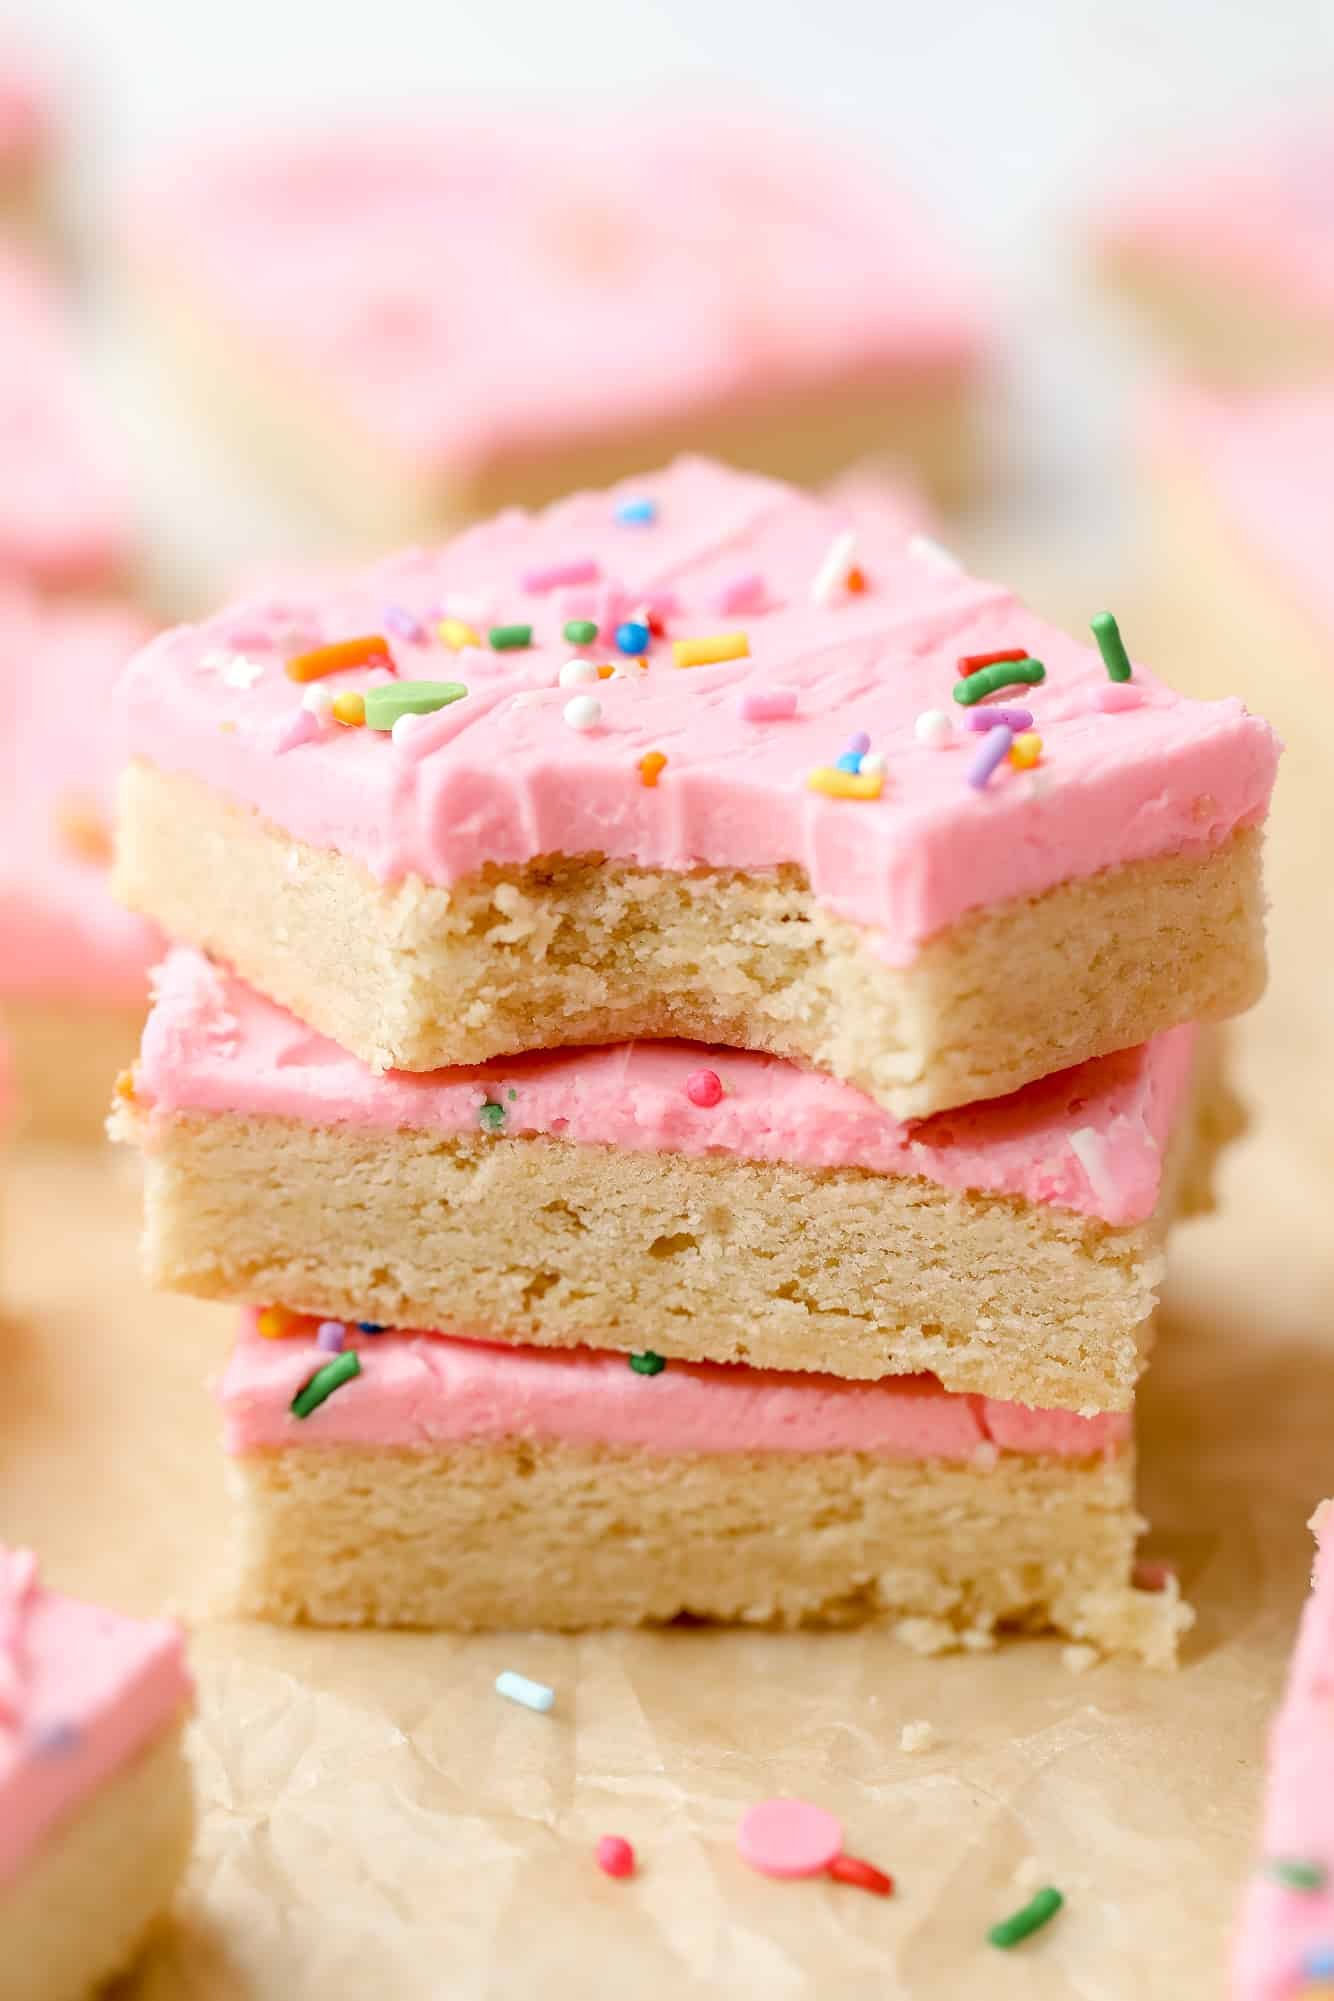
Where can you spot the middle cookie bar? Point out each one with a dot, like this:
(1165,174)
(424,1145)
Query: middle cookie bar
(709,1205)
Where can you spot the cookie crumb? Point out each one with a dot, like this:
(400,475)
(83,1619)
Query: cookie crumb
(919,1736)
(1080,1659)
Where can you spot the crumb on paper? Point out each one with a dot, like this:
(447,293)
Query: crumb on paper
(1080,1659)
(937,1636)
(918,1736)
(1030,1874)
(978,1640)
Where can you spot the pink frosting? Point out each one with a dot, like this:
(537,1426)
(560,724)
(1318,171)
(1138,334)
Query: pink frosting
(1267,460)
(495,282)
(1090,1139)
(1280,1925)
(60,932)
(82,1691)
(64,510)
(492,779)
(421,1390)
(1260,215)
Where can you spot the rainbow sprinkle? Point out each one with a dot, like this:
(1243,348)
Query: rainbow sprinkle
(707,652)
(322,660)
(836,784)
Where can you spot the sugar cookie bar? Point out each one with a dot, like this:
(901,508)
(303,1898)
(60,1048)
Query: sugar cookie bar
(709,1204)
(758,295)
(772,827)
(1284,1944)
(73,964)
(420,1480)
(1227,253)
(65,513)
(96,1811)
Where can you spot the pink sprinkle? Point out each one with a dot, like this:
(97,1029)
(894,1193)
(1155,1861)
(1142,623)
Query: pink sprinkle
(704,1087)
(767,705)
(1110,696)
(983,718)
(745,593)
(615,1856)
(579,570)
(300,727)
(789,1838)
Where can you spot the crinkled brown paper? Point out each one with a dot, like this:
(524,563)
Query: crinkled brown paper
(376,1822)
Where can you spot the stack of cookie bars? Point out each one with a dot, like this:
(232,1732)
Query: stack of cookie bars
(683,1045)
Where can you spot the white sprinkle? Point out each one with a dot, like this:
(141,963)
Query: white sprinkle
(241,672)
(405,726)
(833,571)
(576,672)
(531,1694)
(319,700)
(872,765)
(1079,1659)
(917,1736)
(583,713)
(925,549)
(985,1455)
(933,728)
(1088,1148)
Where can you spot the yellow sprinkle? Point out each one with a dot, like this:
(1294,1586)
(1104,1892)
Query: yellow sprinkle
(845,784)
(276,1322)
(704,652)
(650,764)
(457,634)
(1025,750)
(350,707)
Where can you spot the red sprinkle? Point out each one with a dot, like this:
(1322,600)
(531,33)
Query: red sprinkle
(970,662)
(863,1875)
(653,620)
(615,1856)
(704,1087)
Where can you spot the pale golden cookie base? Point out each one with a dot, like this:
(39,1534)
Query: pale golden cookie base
(81,1908)
(1215,325)
(528,1535)
(66,1059)
(550,1243)
(414,976)
(925,423)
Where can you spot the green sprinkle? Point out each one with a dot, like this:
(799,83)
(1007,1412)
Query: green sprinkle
(1297,1875)
(1005,674)
(491,1118)
(511,1095)
(647,1364)
(392,699)
(581,631)
(1022,1924)
(325,1381)
(505,638)
(1111,646)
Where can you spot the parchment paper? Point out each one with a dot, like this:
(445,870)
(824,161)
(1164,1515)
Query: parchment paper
(376,1822)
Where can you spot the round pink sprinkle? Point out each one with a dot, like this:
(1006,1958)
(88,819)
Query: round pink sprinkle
(704,1087)
(745,593)
(615,1856)
(767,705)
(789,1838)
(1113,695)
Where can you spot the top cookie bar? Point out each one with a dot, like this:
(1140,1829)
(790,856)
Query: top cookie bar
(756,812)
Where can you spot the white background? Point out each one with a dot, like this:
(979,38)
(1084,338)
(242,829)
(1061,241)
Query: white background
(1007,115)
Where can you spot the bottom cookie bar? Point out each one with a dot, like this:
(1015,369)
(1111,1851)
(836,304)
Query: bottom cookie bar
(453,1484)
(96,1812)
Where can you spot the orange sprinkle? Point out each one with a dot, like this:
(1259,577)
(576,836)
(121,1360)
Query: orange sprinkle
(125,1086)
(83,829)
(349,708)
(1025,750)
(322,660)
(856,579)
(605,672)
(650,764)
(276,1322)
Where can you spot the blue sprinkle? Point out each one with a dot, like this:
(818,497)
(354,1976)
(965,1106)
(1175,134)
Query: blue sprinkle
(849,760)
(1318,1963)
(637,513)
(55,1740)
(532,1694)
(632,637)
(370,1327)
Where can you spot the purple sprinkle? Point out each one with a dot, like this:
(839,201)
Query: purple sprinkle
(402,622)
(54,1740)
(982,718)
(992,751)
(330,1335)
(859,743)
